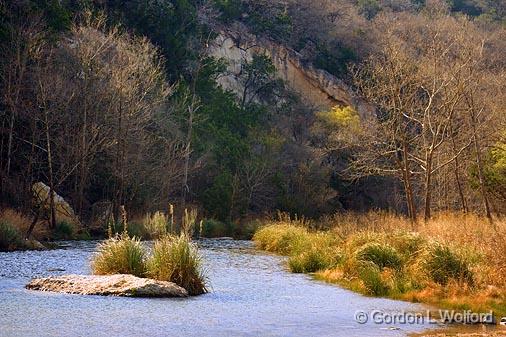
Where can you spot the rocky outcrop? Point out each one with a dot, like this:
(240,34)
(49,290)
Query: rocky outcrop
(316,87)
(108,285)
(64,211)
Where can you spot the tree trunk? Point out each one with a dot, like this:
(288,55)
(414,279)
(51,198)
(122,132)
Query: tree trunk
(456,173)
(117,201)
(481,178)
(34,222)
(2,143)
(184,186)
(52,210)
(428,187)
(407,184)
(82,172)
(9,142)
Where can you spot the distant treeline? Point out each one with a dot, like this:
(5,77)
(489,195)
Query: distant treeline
(118,101)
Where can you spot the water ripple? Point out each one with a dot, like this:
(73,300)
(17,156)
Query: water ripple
(252,295)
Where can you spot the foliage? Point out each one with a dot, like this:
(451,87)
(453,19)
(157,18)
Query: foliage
(176,259)
(64,231)
(369,8)
(10,238)
(343,117)
(212,228)
(382,255)
(171,25)
(443,265)
(370,275)
(494,171)
(281,238)
(143,64)
(378,254)
(156,224)
(120,255)
(312,260)
(335,60)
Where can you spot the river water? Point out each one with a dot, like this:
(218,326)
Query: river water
(252,294)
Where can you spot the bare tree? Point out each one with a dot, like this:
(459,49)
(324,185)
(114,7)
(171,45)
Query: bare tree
(420,81)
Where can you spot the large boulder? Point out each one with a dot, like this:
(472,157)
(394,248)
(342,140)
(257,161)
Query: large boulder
(101,215)
(113,285)
(64,212)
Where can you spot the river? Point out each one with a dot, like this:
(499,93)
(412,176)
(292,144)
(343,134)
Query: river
(252,294)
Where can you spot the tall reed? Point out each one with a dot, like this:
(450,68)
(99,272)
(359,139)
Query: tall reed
(120,255)
(176,259)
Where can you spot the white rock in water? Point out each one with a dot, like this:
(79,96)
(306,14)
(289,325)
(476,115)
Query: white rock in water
(112,285)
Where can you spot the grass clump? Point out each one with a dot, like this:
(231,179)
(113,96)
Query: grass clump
(371,277)
(64,231)
(156,224)
(281,238)
(173,258)
(176,259)
(443,264)
(382,255)
(309,251)
(10,238)
(212,228)
(120,255)
(313,260)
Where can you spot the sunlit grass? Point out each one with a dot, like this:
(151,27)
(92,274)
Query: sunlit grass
(173,258)
(176,259)
(120,255)
(156,224)
(453,260)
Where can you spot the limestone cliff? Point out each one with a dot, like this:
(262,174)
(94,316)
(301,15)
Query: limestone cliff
(317,88)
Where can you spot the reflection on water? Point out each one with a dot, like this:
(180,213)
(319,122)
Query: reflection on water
(251,295)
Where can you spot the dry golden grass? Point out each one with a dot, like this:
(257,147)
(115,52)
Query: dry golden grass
(21,223)
(467,231)
(453,260)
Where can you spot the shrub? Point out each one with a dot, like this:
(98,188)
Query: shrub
(120,255)
(135,229)
(156,224)
(282,239)
(380,254)
(246,230)
(84,235)
(16,219)
(313,260)
(370,275)
(176,259)
(10,238)
(64,231)
(443,264)
(408,244)
(213,228)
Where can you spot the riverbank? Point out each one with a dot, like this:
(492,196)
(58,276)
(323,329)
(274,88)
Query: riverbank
(453,261)
(251,294)
(14,226)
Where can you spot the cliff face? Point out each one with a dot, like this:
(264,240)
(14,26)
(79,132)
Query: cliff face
(316,87)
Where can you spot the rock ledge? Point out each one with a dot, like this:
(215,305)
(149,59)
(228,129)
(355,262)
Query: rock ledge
(108,285)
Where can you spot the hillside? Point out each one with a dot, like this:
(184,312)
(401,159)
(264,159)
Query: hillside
(243,108)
